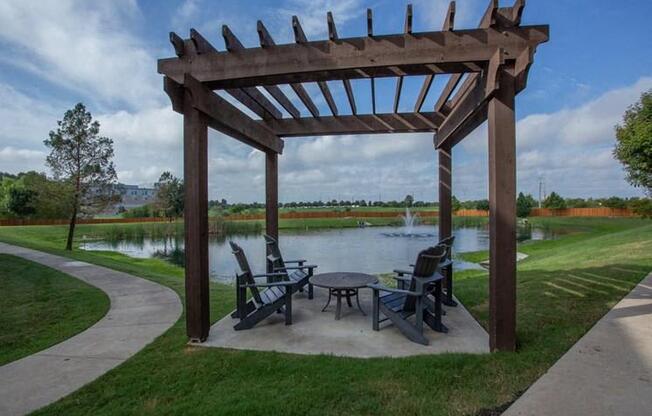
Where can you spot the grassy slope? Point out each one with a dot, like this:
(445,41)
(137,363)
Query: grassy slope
(41,307)
(564,287)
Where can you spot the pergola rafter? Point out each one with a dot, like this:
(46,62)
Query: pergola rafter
(488,66)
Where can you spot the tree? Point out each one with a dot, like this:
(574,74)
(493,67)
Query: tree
(554,201)
(634,143)
(21,201)
(408,201)
(482,204)
(455,204)
(524,204)
(615,202)
(169,195)
(83,158)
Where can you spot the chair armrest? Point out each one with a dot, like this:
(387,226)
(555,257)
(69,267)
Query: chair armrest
(400,272)
(376,286)
(295,261)
(307,266)
(269,275)
(269,284)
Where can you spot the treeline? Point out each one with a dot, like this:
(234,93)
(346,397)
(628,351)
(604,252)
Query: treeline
(34,195)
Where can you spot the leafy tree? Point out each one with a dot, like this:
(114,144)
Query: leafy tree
(20,201)
(642,207)
(524,204)
(80,156)
(554,201)
(408,201)
(169,195)
(456,205)
(482,205)
(615,202)
(634,143)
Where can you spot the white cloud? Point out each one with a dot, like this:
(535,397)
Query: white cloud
(312,14)
(86,47)
(433,12)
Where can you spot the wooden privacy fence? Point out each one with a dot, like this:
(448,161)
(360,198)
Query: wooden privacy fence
(582,212)
(536,212)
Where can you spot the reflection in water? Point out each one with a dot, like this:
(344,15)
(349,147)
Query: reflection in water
(367,250)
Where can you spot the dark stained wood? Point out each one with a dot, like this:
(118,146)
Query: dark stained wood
(178,44)
(427,82)
(370,23)
(300,38)
(332,30)
(267,40)
(446,213)
(350,96)
(233,44)
(446,92)
(226,118)
(305,99)
(328,97)
(271,194)
(449,20)
(502,216)
(195,173)
(397,93)
(472,103)
(407,27)
(450,51)
(373,96)
(202,45)
(355,124)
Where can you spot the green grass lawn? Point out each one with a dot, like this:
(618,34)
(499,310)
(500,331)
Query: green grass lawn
(42,307)
(564,287)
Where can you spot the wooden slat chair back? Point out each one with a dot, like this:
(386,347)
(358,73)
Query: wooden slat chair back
(299,274)
(267,298)
(410,298)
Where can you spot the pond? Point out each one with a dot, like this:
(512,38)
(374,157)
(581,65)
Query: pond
(367,250)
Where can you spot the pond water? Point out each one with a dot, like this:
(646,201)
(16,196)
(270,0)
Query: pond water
(367,250)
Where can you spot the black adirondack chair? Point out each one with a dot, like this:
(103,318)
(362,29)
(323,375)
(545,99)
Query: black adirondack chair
(299,274)
(398,305)
(446,268)
(266,298)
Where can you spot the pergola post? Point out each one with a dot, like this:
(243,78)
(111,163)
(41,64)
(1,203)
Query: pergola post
(271,196)
(195,173)
(446,211)
(502,216)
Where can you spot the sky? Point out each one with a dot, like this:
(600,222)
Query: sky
(55,53)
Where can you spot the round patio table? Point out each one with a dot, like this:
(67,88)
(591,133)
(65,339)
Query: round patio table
(343,284)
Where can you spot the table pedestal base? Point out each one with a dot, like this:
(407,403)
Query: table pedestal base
(339,294)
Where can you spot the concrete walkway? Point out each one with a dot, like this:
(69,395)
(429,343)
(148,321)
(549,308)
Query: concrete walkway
(608,371)
(140,311)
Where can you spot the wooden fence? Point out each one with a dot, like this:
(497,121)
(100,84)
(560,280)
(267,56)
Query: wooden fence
(536,212)
(582,212)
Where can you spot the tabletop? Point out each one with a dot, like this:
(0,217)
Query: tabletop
(343,280)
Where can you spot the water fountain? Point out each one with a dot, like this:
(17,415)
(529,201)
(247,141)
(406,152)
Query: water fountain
(410,220)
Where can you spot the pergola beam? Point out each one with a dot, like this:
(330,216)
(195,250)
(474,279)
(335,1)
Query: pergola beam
(233,44)
(407,29)
(222,115)
(377,56)
(355,124)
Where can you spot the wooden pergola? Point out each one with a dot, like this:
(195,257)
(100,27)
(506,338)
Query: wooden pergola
(488,66)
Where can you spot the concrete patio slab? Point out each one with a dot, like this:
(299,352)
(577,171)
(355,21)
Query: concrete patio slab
(608,372)
(140,311)
(316,332)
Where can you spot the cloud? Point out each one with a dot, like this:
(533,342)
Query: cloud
(433,12)
(82,46)
(13,159)
(312,14)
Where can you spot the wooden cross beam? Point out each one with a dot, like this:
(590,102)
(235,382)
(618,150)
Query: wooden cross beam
(427,82)
(355,124)
(415,54)
(222,115)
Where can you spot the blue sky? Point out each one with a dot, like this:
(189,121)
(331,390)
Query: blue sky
(57,53)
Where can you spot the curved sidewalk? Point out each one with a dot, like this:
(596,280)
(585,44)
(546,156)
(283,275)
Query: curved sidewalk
(140,311)
(608,372)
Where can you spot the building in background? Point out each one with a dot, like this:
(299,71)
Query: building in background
(133,196)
